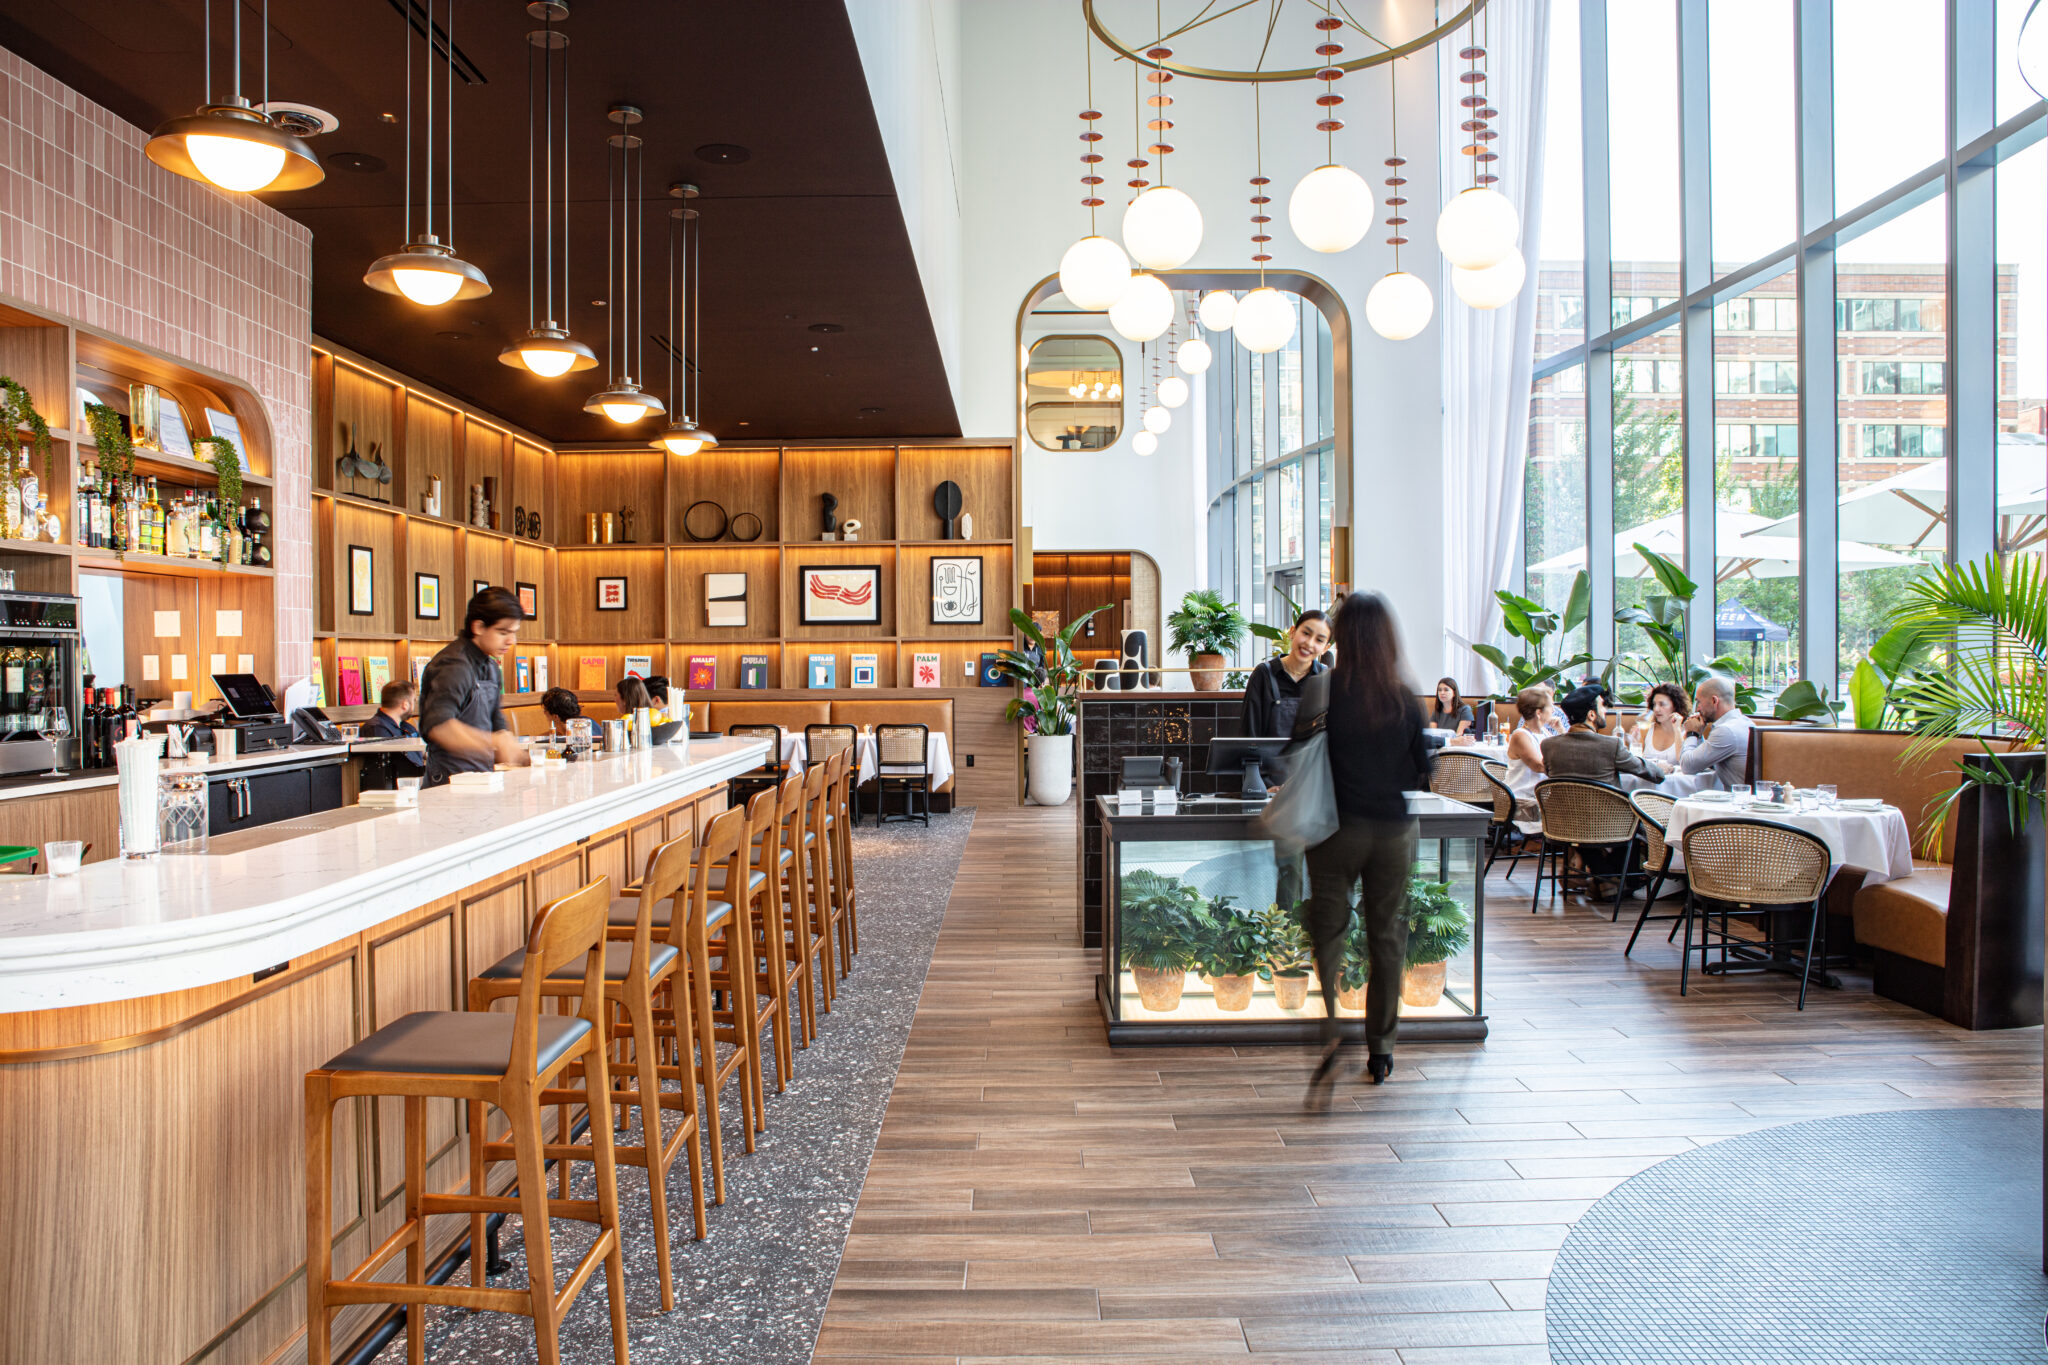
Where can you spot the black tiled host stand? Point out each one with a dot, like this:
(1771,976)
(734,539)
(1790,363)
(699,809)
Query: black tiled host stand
(1169,724)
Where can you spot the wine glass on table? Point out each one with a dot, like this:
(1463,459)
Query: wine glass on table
(56,728)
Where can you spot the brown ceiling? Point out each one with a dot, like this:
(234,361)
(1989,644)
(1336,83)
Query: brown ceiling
(807,230)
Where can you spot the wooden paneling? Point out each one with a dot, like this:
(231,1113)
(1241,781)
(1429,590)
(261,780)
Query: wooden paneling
(532,564)
(687,567)
(414,969)
(610,855)
(576,613)
(364,406)
(38,357)
(983,473)
(982,734)
(431,550)
(916,590)
(251,598)
(954,658)
(737,480)
(160,663)
(567,668)
(612,482)
(484,457)
(529,480)
(89,815)
(797,557)
(796,667)
(429,454)
(354,525)
(863,479)
(727,658)
(487,557)
(556,877)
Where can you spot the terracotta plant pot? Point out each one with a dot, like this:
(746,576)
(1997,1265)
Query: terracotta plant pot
(1233,992)
(1208,670)
(1351,1000)
(1290,992)
(1423,985)
(1159,991)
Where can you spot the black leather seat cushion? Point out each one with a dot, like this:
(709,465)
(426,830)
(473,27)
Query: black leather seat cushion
(626,911)
(617,958)
(457,1043)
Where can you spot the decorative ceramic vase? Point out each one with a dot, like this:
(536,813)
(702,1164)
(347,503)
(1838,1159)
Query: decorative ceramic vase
(1352,1000)
(1050,767)
(1290,992)
(1233,992)
(1207,673)
(1423,985)
(1159,991)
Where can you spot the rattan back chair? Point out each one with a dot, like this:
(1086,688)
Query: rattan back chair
(1654,810)
(901,765)
(1582,817)
(1503,835)
(1746,869)
(1456,774)
(823,741)
(769,775)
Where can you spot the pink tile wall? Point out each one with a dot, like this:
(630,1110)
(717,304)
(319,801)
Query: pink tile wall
(92,230)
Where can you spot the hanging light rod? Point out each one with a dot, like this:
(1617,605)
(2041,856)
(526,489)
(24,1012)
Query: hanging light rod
(1137,51)
(234,144)
(546,349)
(623,400)
(426,270)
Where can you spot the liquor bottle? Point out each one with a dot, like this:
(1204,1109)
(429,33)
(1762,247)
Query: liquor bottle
(131,719)
(208,520)
(28,521)
(38,683)
(110,715)
(159,539)
(13,684)
(231,538)
(82,517)
(131,517)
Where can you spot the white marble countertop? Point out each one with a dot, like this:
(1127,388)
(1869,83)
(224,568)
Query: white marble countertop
(123,929)
(85,780)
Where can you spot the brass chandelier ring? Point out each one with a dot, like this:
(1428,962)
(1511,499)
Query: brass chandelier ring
(1304,73)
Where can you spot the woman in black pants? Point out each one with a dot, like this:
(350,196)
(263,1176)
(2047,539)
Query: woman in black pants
(1376,754)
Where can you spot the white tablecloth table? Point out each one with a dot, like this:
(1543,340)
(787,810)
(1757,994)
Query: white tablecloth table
(938,756)
(1877,841)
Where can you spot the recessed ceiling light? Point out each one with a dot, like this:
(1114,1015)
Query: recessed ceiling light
(597,303)
(300,120)
(453,336)
(724,153)
(362,163)
(869,412)
(814,348)
(828,328)
(387,118)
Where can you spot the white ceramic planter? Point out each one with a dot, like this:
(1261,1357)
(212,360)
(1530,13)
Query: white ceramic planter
(1050,764)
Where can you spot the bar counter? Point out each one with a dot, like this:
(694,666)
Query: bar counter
(157,1019)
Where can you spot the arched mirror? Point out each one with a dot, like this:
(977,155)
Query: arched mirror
(1074,393)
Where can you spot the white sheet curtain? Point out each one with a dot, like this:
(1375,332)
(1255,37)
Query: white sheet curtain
(1487,355)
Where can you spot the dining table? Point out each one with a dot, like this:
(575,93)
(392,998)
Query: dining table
(938,756)
(1868,835)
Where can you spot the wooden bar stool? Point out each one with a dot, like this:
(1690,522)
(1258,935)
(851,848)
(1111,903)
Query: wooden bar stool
(506,1060)
(633,971)
(810,876)
(797,944)
(839,776)
(734,1019)
(760,949)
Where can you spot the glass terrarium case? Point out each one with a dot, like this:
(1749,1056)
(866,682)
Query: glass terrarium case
(1203,941)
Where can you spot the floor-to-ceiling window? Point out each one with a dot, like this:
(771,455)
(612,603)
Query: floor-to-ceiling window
(1805,264)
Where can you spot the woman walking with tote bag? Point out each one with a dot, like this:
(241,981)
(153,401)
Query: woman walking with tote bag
(1376,755)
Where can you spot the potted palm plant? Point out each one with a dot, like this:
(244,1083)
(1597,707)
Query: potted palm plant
(1206,628)
(1438,930)
(1160,928)
(1049,682)
(1233,949)
(1290,957)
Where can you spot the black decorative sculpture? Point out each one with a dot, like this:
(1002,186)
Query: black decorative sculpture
(831,507)
(946,502)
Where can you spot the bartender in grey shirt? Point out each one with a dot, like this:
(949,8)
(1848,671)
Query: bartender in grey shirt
(460,715)
(1725,747)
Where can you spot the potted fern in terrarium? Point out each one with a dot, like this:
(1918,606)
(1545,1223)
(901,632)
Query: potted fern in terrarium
(1232,951)
(1160,928)
(1438,930)
(1290,956)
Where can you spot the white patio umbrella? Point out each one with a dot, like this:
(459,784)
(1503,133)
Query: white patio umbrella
(1740,550)
(1911,509)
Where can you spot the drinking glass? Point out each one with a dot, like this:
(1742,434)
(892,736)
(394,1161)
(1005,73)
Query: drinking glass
(64,856)
(1826,792)
(1740,791)
(56,728)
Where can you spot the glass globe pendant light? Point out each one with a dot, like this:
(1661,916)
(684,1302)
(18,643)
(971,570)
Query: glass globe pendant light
(426,270)
(1145,310)
(1094,272)
(1265,320)
(1157,419)
(1218,310)
(1173,391)
(1194,356)
(1479,226)
(546,349)
(1331,207)
(683,436)
(1144,443)
(234,144)
(1494,286)
(623,400)
(1162,227)
(1400,305)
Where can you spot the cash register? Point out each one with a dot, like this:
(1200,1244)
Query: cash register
(251,712)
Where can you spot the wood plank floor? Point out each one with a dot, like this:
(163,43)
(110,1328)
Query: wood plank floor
(1037,1196)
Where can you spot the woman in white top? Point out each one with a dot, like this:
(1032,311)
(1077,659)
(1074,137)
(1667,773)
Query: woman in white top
(1664,727)
(1525,751)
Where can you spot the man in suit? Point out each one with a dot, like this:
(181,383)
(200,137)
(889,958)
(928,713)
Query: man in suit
(1582,751)
(1716,735)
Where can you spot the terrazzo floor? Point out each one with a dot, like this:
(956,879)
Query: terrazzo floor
(754,1292)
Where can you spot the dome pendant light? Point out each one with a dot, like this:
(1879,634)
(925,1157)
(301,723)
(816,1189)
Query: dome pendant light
(622,400)
(1400,305)
(427,271)
(1094,272)
(234,144)
(683,436)
(1331,207)
(546,349)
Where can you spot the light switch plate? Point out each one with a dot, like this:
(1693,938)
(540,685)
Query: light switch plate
(967,669)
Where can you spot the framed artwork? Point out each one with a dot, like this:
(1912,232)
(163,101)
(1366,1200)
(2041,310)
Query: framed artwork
(956,590)
(426,596)
(725,599)
(611,594)
(841,594)
(223,424)
(529,600)
(362,581)
(477,585)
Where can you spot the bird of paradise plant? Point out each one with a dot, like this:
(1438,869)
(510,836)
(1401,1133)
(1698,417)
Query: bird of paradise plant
(1047,673)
